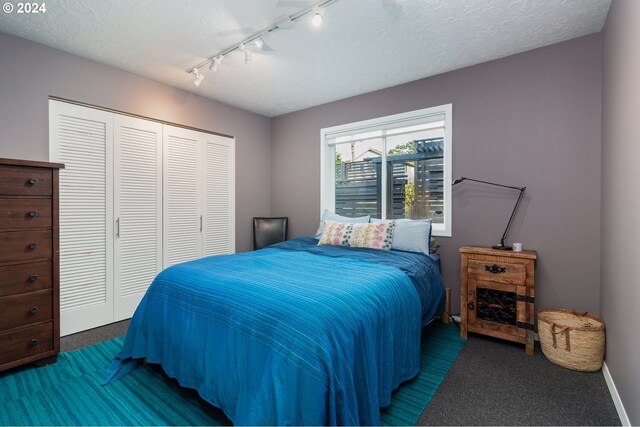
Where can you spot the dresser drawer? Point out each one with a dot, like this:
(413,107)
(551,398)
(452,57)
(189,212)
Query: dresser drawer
(501,272)
(25,245)
(26,342)
(25,213)
(20,278)
(23,309)
(26,181)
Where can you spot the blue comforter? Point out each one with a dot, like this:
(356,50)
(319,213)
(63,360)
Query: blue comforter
(293,334)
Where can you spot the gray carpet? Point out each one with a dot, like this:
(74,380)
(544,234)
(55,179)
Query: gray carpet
(492,382)
(93,336)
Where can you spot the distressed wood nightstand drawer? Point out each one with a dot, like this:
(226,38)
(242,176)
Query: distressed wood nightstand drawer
(496,271)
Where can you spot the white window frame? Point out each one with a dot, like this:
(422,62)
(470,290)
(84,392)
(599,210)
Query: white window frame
(327,155)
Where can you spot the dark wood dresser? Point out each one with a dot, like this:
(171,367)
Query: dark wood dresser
(29,263)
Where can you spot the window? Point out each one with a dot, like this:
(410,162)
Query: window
(391,167)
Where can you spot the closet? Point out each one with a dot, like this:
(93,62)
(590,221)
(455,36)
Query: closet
(136,196)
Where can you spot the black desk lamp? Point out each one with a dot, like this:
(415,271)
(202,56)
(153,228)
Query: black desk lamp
(501,246)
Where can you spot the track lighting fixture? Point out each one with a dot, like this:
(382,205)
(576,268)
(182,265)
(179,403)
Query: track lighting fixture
(259,39)
(216,61)
(317,18)
(247,53)
(261,42)
(199,77)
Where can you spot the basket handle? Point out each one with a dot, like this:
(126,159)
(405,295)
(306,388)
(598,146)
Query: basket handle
(564,330)
(580,313)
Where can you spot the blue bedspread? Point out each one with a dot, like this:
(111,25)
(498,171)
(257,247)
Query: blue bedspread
(293,334)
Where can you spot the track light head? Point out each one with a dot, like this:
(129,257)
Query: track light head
(317,18)
(215,62)
(199,77)
(259,42)
(247,53)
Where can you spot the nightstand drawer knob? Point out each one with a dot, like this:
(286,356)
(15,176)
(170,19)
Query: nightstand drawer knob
(33,214)
(33,310)
(471,305)
(34,342)
(33,277)
(33,246)
(33,181)
(495,269)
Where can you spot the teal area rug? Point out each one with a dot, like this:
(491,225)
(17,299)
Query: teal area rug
(69,391)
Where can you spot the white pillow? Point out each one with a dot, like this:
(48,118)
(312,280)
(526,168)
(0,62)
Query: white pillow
(330,216)
(413,235)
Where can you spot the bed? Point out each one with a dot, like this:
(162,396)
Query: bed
(296,333)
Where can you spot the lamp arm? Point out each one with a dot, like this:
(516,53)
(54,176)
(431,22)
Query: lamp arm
(487,182)
(513,213)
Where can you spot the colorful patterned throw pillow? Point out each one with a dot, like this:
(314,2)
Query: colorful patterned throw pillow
(377,235)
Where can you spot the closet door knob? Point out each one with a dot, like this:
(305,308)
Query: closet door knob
(33,246)
(33,181)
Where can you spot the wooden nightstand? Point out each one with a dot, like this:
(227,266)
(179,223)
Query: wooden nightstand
(497,294)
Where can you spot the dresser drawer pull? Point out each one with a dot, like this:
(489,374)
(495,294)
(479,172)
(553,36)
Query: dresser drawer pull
(33,246)
(495,269)
(471,305)
(33,181)
(33,277)
(34,342)
(33,310)
(33,214)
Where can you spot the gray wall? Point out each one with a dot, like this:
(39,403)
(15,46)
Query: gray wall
(531,119)
(30,72)
(620,283)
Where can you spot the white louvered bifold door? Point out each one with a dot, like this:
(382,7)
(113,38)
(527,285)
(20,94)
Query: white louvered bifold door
(81,138)
(137,210)
(182,200)
(219,195)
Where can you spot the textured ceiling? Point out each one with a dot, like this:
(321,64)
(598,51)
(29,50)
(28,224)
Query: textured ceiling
(364,45)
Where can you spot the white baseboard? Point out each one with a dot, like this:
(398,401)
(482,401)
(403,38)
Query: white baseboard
(622,413)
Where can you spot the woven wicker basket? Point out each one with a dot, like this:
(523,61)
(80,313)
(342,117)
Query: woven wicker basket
(572,340)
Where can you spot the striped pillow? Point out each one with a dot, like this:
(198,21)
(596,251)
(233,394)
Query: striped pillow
(376,235)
